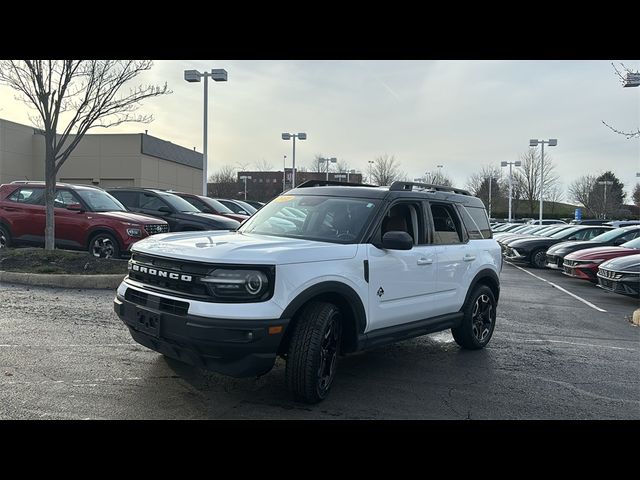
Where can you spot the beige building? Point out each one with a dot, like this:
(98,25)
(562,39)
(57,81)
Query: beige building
(105,160)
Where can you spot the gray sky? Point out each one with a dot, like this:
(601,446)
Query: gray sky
(461,114)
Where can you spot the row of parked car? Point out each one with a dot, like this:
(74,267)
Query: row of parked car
(606,255)
(107,222)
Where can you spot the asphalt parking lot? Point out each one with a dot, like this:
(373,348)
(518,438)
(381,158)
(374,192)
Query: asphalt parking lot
(65,355)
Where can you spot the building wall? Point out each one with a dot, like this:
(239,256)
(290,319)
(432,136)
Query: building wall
(16,152)
(105,160)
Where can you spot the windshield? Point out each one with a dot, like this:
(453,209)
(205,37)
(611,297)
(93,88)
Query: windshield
(100,201)
(565,232)
(180,204)
(326,219)
(218,207)
(635,243)
(249,208)
(609,235)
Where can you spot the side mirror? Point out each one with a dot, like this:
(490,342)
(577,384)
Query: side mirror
(74,207)
(396,240)
(165,210)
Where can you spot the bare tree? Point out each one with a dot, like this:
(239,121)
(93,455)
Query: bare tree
(317,165)
(636,195)
(580,191)
(342,166)
(554,195)
(478,185)
(82,94)
(385,170)
(263,165)
(528,177)
(622,74)
(224,182)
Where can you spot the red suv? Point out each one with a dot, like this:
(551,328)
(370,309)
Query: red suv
(86,218)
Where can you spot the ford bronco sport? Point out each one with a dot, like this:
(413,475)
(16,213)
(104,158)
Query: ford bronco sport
(364,267)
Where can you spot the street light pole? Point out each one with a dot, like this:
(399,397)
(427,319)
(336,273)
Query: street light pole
(288,136)
(605,183)
(517,163)
(490,195)
(245,178)
(534,143)
(371,162)
(327,161)
(218,75)
(284,173)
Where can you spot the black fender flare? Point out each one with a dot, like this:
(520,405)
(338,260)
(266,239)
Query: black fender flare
(353,299)
(481,275)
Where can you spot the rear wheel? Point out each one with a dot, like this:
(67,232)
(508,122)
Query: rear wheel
(479,320)
(5,237)
(313,352)
(539,258)
(104,245)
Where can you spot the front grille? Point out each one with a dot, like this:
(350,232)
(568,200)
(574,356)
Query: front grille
(153,229)
(571,263)
(174,307)
(609,274)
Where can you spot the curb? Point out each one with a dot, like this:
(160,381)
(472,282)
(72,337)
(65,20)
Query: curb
(110,282)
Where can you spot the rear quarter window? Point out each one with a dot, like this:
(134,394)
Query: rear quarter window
(476,222)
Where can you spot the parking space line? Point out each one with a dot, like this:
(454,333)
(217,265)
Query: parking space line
(559,288)
(580,344)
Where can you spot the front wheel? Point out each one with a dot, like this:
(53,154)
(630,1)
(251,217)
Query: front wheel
(104,245)
(313,352)
(479,320)
(5,237)
(539,258)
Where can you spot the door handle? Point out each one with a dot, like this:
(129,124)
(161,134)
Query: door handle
(469,258)
(425,261)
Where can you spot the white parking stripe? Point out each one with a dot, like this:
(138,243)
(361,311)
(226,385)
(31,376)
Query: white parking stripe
(559,288)
(580,344)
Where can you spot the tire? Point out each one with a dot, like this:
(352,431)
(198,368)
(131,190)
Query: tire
(539,258)
(104,245)
(5,237)
(479,320)
(313,352)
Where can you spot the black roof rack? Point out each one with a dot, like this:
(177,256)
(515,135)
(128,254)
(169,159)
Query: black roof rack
(408,186)
(330,183)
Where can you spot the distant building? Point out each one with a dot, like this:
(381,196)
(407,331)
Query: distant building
(263,186)
(105,160)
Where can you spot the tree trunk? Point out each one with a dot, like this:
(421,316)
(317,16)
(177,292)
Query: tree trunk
(50,191)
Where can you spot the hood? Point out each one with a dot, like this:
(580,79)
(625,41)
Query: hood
(601,252)
(127,217)
(628,263)
(210,219)
(243,248)
(532,242)
(568,247)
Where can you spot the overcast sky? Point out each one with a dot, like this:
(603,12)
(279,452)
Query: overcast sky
(460,114)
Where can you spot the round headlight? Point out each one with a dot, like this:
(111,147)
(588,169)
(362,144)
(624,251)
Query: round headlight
(254,282)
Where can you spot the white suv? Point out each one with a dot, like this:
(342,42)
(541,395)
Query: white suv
(356,267)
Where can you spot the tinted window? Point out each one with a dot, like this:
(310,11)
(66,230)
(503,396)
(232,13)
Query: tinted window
(31,196)
(199,204)
(130,199)
(151,202)
(178,203)
(64,198)
(446,224)
(405,217)
(476,222)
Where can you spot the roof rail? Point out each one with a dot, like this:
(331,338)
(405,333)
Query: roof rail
(330,183)
(395,186)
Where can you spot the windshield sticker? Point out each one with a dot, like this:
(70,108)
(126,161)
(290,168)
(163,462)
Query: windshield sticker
(284,198)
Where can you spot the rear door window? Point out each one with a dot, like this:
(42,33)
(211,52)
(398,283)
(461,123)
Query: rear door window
(30,196)
(447,228)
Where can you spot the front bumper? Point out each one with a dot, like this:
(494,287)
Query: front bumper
(238,348)
(584,271)
(629,286)
(516,256)
(555,262)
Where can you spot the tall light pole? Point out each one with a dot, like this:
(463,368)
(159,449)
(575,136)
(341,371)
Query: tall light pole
(371,162)
(218,75)
(517,163)
(534,143)
(245,178)
(327,161)
(439,177)
(287,136)
(284,173)
(490,182)
(605,183)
